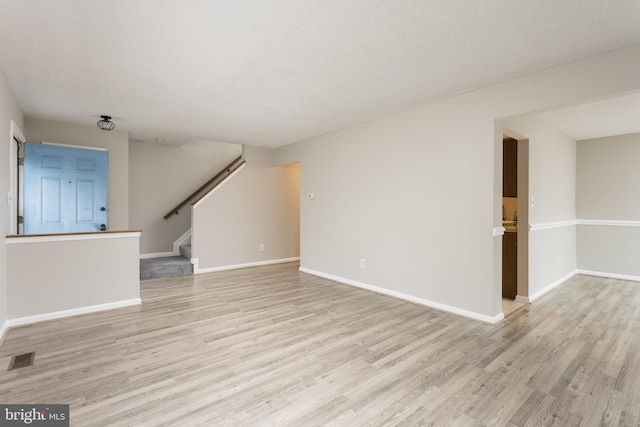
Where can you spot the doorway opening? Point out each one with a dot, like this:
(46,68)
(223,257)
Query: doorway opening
(515,221)
(65,189)
(292,172)
(38,203)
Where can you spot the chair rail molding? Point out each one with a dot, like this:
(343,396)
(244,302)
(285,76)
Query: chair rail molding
(550,225)
(608,222)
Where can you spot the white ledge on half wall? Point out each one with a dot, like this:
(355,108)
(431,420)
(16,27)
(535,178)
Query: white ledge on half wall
(41,238)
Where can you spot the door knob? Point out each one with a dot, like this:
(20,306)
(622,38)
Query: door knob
(103,227)
(102,209)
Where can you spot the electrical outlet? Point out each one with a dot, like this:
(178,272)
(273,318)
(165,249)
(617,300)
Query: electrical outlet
(362,263)
(261,246)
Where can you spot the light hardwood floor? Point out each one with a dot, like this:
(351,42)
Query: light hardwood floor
(509,306)
(275,347)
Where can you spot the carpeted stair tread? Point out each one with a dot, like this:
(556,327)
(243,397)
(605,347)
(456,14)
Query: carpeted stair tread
(153,268)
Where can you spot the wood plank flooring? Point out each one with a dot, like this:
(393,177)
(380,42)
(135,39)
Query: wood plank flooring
(270,346)
(509,306)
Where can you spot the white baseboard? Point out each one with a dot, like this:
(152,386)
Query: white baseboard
(410,298)
(158,255)
(27,320)
(553,285)
(609,275)
(182,240)
(234,267)
(523,300)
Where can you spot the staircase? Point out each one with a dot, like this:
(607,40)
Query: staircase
(153,268)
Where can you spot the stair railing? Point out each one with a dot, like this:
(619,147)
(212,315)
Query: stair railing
(208,186)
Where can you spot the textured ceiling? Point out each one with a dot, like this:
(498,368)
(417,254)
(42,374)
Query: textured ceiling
(272,72)
(616,116)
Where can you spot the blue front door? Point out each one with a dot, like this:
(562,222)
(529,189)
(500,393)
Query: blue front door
(65,189)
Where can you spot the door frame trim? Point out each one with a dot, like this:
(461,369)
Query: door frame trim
(74,146)
(69,222)
(14,185)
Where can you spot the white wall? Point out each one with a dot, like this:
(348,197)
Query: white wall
(607,199)
(87,273)
(608,175)
(258,205)
(418,194)
(608,250)
(396,193)
(160,177)
(117,144)
(552,185)
(9,110)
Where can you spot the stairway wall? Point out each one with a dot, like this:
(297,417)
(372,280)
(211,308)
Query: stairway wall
(160,177)
(259,205)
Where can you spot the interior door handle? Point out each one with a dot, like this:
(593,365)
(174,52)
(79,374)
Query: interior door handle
(102,208)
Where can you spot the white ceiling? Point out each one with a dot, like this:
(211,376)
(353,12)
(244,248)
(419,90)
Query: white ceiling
(616,116)
(272,72)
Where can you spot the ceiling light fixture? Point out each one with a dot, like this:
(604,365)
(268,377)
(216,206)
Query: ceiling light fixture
(158,139)
(106,123)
